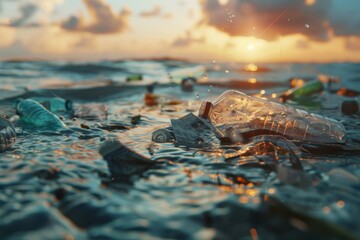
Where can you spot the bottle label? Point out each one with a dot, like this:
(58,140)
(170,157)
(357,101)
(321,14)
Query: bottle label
(192,131)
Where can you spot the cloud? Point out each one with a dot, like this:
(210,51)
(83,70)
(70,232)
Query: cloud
(318,20)
(187,40)
(156,11)
(27,11)
(104,20)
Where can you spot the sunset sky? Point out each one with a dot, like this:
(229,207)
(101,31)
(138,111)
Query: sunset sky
(222,30)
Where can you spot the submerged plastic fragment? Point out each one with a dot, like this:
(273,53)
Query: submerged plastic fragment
(7,134)
(350,107)
(191,131)
(93,111)
(254,116)
(262,145)
(122,160)
(163,135)
(32,112)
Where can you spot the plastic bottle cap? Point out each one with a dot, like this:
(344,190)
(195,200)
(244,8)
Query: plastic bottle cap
(69,105)
(205,110)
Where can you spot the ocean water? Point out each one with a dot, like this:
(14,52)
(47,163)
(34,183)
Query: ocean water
(56,185)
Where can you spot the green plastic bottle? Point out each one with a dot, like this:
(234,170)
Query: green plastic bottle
(134,78)
(307,89)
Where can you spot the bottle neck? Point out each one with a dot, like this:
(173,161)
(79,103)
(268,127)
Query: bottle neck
(205,110)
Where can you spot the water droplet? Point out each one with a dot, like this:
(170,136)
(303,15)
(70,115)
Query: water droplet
(226,71)
(307,25)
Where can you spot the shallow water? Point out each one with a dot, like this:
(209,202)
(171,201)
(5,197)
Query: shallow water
(57,185)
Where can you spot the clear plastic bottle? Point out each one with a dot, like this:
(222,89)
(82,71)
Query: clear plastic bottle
(7,134)
(252,116)
(32,112)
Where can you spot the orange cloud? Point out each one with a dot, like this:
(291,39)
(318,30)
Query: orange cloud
(318,20)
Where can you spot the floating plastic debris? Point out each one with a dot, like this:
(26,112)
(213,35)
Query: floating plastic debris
(7,134)
(93,111)
(187,84)
(188,131)
(278,146)
(255,116)
(54,105)
(122,160)
(307,89)
(348,92)
(32,112)
(163,135)
(113,127)
(134,78)
(350,107)
(151,99)
(135,119)
(191,131)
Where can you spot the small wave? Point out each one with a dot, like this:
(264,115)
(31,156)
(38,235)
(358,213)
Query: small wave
(90,68)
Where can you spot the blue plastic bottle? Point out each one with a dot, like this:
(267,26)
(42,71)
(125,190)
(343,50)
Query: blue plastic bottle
(32,112)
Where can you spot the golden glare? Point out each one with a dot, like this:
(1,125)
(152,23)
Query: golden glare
(297,82)
(271,190)
(251,68)
(310,2)
(250,47)
(223,2)
(252,80)
(244,199)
